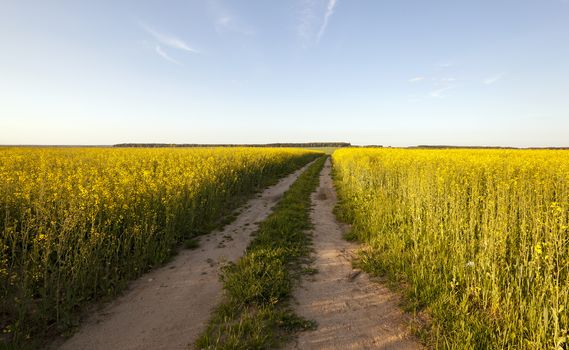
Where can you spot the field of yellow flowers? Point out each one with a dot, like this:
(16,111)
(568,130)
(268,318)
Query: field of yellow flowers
(78,223)
(477,239)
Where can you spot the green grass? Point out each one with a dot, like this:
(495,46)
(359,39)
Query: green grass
(191,243)
(255,313)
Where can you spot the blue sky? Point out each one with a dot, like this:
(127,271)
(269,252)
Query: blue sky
(391,72)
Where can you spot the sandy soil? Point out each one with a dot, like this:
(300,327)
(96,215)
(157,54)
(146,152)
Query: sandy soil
(352,312)
(168,307)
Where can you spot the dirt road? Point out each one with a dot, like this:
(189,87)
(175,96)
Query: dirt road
(168,307)
(352,312)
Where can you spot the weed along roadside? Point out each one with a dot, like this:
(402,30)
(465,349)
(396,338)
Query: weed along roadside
(255,312)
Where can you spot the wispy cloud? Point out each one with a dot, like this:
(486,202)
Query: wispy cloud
(165,56)
(169,40)
(435,85)
(442,85)
(312,21)
(329,12)
(494,79)
(227,21)
(438,92)
(306,22)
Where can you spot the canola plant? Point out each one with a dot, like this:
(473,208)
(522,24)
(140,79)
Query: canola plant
(477,239)
(78,223)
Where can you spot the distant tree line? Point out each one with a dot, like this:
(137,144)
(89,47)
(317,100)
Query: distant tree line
(302,145)
(487,147)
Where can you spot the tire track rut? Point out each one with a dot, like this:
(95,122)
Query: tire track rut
(352,312)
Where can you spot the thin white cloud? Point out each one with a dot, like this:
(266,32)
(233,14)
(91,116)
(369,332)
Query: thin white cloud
(442,85)
(227,21)
(169,40)
(437,85)
(307,18)
(329,12)
(438,93)
(494,79)
(165,56)
(314,19)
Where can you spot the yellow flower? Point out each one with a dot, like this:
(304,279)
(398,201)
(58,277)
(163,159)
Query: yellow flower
(538,249)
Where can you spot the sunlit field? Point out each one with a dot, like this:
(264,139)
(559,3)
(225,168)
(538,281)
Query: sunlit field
(477,239)
(78,223)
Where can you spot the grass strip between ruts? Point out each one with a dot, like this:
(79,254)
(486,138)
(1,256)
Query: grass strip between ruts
(255,313)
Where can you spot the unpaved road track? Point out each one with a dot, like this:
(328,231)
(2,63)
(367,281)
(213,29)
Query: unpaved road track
(352,312)
(169,307)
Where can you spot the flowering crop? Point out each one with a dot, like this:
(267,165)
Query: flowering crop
(78,223)
(478,237)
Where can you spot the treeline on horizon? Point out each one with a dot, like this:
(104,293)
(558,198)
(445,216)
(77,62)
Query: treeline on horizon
(303,145)
(487,147)
(296,145)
